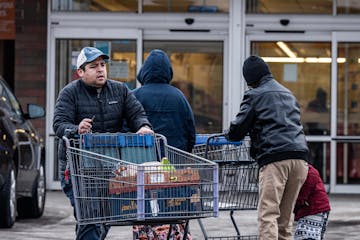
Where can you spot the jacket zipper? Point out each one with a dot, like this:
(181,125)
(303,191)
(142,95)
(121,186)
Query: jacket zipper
(101,111)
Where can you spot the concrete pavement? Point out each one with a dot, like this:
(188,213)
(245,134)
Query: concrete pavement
(58,223)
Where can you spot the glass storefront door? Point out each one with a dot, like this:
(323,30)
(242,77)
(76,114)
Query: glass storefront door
(125,53)
(304,67)
(323,73)
(198,73)
(347,127)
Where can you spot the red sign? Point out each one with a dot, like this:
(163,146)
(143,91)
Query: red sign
(7,19)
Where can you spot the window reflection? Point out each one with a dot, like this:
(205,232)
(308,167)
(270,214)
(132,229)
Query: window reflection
(289,6)
(320,158)
(348,159)
(198,6)
(348,107)
(209,6)
(298,67)
(95,5)
(347,7)
(198,73)
(4,99)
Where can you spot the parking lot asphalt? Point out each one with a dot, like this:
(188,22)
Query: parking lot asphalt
(58,223)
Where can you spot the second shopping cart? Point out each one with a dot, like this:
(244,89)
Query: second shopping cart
(238,176)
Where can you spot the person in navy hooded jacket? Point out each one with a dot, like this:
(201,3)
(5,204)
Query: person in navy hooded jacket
(166,106)
(170,114)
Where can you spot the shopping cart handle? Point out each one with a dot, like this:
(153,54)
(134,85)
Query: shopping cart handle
(71,133)
(220,139)
(222,163)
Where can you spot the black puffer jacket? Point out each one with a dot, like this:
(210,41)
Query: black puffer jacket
(110,107)
(271,114)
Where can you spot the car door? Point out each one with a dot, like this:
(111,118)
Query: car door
(23,136)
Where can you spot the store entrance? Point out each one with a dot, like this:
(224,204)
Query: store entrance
(324,76)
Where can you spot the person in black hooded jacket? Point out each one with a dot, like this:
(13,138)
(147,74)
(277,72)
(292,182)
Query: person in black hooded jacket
(166,106)
(270,113)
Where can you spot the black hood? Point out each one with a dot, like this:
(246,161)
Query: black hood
(156,68)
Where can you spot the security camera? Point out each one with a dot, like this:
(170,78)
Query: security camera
(189,21)
(284,22)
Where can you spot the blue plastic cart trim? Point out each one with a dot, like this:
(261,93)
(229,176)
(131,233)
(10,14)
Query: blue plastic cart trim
(214,140)
(117,140)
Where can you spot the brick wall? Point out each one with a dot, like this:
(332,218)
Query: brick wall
(30,55)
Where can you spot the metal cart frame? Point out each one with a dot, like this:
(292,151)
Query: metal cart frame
(114,183)
(238,176)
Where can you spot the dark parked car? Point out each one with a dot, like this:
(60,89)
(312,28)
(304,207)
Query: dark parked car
(22,160)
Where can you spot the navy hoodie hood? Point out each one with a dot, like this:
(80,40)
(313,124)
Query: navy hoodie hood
(156,68)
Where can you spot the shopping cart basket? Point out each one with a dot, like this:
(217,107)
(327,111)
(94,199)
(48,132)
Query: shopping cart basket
(130,179)
(238,176)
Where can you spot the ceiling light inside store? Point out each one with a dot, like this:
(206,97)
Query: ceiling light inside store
(283,59)
(286,49)
(292,56)
(302,60)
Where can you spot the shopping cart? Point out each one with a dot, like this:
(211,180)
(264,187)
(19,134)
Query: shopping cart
(131,179)
(238,176)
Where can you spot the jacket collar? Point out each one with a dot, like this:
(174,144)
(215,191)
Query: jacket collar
(264,79)
(91,89)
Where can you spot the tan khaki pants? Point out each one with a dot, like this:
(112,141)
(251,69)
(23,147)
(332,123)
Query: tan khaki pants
(279,185)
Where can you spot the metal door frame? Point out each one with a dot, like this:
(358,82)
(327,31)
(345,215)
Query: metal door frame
(335,187)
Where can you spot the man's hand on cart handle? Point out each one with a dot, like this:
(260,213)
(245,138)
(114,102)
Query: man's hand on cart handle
(85,125)
(145,130)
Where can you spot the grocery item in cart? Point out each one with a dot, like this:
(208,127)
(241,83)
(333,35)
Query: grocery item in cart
(165,191)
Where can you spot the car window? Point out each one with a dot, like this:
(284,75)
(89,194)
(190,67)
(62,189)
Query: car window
(4,99)
(9,100)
